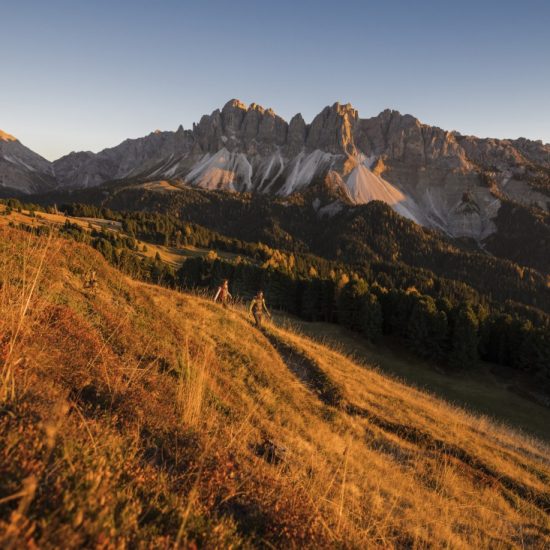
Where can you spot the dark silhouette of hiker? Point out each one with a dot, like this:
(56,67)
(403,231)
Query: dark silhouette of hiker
(223,294)
(257,308)
(91,281)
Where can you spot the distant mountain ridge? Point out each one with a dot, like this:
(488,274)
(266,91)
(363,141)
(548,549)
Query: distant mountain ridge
(23,170)
(437,178)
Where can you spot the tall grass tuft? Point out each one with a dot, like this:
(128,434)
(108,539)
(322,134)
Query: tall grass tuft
(192,385)
(21,272)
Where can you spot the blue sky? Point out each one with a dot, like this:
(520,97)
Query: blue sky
(84,75)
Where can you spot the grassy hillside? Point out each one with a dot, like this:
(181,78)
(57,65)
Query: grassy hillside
(509,397)
(135,416)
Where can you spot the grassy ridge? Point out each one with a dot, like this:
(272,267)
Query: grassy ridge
(137,416)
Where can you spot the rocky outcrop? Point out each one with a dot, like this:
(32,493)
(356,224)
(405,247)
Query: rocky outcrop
(250,130)
(332,130)
(296,136)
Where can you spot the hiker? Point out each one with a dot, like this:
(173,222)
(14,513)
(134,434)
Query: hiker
(91,282)
(223,293)
(257,307)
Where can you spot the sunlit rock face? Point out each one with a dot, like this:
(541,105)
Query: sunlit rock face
(424,173)
(4,136)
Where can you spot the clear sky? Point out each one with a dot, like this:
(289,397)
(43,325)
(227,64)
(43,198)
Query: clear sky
(85,75)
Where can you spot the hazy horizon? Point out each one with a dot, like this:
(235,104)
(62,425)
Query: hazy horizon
(86,77)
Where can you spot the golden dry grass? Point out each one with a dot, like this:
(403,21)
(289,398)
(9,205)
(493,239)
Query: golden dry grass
(136,416)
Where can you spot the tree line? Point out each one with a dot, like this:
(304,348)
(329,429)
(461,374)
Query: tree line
(456,333)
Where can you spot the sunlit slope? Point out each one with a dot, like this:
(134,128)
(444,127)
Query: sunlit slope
(133,415)
(480,389)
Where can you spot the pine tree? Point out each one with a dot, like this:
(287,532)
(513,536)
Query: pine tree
(427,328)
(350,304)
(311,300)
(464,338)
(371,317)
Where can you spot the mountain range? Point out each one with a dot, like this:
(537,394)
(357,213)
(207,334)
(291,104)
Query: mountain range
(439,179)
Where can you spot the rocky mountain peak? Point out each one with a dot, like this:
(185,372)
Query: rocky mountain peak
(4,136)
(232,115)
(388,114)
(333,128)
(345,110)
(296,136)
(22,170)
(233,104)
(256,107)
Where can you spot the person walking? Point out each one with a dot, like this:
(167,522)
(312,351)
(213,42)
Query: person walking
(223,294)
(257,308)
(91,280)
